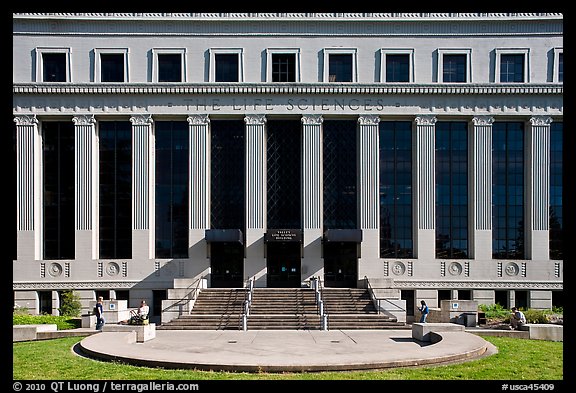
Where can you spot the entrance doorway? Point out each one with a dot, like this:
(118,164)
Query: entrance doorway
(283,262)
(45,302)
(227,263)
(341,264)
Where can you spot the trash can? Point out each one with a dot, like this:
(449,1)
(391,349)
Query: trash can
(469,319)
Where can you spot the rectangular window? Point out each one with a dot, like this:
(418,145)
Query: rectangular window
(454,68)
(54,67)
(556,174)
(512,68)
(283,67)
(396,239)
(561,67)
(451,190)
(227,185)
(115,138)
(398,68)
(58,192)
(339,171)
(169,67)
(112,67)
(508,190)
(340,67)
(283,151)
(172,189)
(226,67)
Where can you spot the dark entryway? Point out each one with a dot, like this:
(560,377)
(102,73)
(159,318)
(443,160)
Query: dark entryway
(227,263)
(341,264)
(45,302)
(283,262)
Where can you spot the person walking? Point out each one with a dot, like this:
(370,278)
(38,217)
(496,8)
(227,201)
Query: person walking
(424,310)
(99,311)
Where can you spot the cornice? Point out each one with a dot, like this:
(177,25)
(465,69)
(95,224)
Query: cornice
(278,89)
(419,284)
(257,16)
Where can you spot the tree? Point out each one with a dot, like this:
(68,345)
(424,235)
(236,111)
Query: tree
(70,304)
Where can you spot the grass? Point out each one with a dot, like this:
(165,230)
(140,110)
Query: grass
(517,359)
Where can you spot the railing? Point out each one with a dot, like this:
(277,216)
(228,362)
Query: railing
(247,301)
(185,301)
(316,283)
(389,308)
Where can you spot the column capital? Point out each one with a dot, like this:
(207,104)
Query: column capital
(25,120)
(368,120)
(540,120)
(84,120)
(198,120)
(255,119)
(141,120)
(426,120)
(310,120)
(483,120)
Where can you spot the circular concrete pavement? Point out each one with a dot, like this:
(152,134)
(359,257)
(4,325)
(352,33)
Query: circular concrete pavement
(284,350)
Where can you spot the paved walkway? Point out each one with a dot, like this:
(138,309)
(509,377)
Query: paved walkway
(285,350)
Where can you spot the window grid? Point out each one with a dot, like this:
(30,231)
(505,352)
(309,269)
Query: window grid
(508,190)
(226,67)
(340,67)
(169,67)
(454,68)
(171,189)
(115,212)
(58,193)
(339,172)
(283,67)
(112,67)
(54,67)
(556,174)
(396,239)
(397,68)
(511,68)
(451,190)
(283,174)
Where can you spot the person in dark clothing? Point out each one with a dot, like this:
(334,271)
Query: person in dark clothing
(424,310)
(99,310)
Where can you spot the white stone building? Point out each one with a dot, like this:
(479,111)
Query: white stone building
(420,150)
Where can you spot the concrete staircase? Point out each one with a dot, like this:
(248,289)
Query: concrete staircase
(214,309)
(352,308)
(283,308)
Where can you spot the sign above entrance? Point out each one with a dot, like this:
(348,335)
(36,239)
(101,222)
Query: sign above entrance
(224,235)
(343,235)
(283,235)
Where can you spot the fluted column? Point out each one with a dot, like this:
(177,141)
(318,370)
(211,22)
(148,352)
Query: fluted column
(142,187)
(368,196)
(312,264)
(199,186)
(538,188)
(425,181)
(481,184)
(255,196)
(85,155)
(28,155)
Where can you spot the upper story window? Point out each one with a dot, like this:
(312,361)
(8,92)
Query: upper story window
(169,65)
(397,65)
(454,65)
(512,65)
(226,65)
(53,65)
(340,65)
(558,69)
(111,65)
(283,65)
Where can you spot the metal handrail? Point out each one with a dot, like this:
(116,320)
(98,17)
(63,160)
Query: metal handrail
(320,303)
(247,301)
(186,299)
(377,300)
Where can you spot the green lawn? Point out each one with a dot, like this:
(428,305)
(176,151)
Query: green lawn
(517,359)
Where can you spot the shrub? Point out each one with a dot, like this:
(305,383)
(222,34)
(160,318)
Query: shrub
(494,311)
(70,305)
(62,323)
